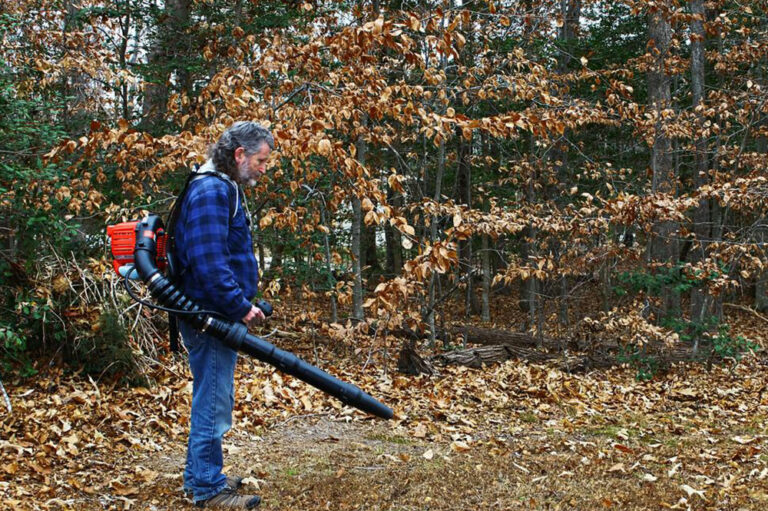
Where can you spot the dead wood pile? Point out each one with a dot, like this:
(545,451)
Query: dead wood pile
(497,345)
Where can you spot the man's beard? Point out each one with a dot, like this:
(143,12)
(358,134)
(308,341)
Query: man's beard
(244,175)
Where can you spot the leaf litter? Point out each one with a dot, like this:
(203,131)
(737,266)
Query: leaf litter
(514,435)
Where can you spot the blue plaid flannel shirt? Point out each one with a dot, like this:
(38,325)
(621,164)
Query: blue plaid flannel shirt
(218,268)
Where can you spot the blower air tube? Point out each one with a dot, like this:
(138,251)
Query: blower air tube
(235,335)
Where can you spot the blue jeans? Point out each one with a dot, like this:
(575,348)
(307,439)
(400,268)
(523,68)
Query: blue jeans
(213,398)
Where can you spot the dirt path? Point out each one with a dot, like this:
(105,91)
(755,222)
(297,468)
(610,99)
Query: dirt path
(628,463)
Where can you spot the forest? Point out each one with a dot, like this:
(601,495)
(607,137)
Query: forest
(536,229)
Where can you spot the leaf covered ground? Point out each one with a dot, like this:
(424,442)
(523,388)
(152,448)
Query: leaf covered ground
(511,436)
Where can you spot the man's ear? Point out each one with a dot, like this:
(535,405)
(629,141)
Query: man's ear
(239,154)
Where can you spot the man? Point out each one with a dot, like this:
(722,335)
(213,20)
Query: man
(218,271)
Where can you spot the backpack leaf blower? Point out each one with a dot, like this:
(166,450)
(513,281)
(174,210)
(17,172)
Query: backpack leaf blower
(148,238)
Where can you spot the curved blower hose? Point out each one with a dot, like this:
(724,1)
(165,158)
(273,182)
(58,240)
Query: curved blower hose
(235,335)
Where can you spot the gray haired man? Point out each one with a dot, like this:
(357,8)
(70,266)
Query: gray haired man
(219,271)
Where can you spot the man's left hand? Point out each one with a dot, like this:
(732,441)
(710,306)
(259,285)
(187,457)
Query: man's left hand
(254,317)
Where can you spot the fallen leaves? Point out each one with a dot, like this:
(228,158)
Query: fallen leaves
(692,491)
(618,467)
(122,489)
(623,448)
(460,446)
(543,425)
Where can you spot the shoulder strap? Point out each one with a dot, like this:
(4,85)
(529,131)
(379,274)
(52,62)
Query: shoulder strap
(173,216)
(170,230)
(170,247)
(234,199)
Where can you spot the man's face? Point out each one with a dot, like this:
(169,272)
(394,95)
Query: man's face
(251,168)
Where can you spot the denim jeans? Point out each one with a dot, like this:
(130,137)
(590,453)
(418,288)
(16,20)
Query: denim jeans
(213,398)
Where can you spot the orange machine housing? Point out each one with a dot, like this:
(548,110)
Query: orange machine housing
(123,241)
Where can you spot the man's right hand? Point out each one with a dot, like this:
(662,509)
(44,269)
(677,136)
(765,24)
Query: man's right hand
(254,317)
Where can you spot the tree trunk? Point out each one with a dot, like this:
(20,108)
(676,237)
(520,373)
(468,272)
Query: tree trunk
(275,263)
(370,256)
(358,313)
(464,196)
(73,83)
(662,247)
(761,285)
(701,215)
(394,263)
(486,259)
(529,287)
(567,39)
(430,317)
(331,281)
(568,32)
(124,22)
(170,45)
(717,212)
(430,312)
(357,288)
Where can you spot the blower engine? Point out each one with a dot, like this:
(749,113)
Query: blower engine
(123,242)
(148,256)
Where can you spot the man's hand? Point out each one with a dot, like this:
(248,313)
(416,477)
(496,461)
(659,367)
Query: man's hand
(254,317)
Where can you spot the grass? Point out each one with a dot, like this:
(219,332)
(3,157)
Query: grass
(529,418)
(391,439)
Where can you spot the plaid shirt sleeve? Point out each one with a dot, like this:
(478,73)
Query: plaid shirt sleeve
(207,230)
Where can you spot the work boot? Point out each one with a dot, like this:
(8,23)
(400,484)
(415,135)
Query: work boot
(229,499)
(233,482)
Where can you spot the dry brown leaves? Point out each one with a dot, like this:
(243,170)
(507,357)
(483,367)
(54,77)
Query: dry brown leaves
(688,439)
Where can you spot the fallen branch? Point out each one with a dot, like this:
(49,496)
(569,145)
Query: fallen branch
(477,357)
(494,336)
(747,309)
(485,355)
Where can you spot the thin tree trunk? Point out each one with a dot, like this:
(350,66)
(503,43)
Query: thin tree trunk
(72,83)
(464,196)
(717,213)
(331,281)
(486,300)
(567,37)
(568,32)
(430,316)
(394,263)
(529,287)
(485,254)
(663,247)
(761,285)
(276,261)
(357,288)
(701,219)
(430,320)
(358,313)
(125,28)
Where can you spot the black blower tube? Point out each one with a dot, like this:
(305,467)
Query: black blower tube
(235,335)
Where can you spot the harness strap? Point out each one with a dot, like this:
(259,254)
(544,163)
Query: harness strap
(173,217)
